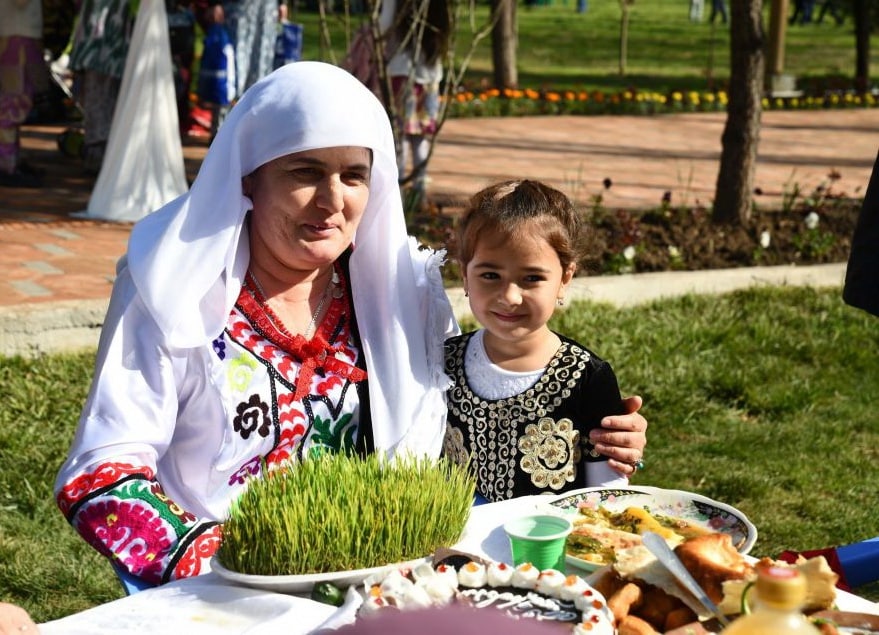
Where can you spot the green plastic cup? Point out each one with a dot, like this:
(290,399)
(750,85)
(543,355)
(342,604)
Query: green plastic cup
(539,539)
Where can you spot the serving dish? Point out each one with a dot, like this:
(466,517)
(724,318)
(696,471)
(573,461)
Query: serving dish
(693,508)
(849,622)
(301,584)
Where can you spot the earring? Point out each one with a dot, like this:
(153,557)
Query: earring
(466,294)
(561,301)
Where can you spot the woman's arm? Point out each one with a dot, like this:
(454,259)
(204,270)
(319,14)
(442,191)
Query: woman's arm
(122,511)
(107,488)
(622,438)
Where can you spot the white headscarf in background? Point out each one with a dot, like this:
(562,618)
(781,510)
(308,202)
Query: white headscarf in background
(188,259)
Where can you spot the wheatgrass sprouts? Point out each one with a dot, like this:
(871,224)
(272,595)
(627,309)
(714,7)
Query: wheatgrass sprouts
(342,512)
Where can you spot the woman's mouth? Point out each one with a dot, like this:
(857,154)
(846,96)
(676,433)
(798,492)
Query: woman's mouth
(318,228)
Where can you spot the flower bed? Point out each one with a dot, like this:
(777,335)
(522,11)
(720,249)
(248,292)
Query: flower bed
(529,102)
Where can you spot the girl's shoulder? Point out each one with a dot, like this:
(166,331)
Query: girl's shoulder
(459,340)
(578,349)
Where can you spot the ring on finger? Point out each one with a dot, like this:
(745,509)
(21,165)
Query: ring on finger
(637,465)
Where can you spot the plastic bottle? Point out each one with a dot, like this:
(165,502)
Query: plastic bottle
(780,593)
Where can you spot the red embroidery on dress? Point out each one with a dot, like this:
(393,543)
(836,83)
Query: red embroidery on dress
(314,354)
(130,530)
(195,559)
(328,384)
(105,474)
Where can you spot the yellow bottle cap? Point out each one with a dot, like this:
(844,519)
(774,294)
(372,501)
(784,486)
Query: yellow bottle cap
(780,587)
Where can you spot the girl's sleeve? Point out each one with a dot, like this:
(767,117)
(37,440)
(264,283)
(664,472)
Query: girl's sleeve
(107,488)
(600,398)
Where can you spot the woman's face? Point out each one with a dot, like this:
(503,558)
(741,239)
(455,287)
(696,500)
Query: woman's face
(307,206)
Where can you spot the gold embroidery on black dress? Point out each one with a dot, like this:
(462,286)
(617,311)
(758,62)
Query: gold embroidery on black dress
(517,435)
(550,452)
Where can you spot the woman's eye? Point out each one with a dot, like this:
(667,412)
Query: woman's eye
(356,177)
(308,174)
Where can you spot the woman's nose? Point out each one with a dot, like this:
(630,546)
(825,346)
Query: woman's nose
(331,194)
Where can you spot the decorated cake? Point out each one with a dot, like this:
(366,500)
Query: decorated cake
(521,592)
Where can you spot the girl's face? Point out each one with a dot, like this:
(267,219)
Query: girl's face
(307,206)
(514,286)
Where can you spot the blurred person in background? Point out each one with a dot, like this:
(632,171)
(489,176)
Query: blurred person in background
(718,8)
(417,41)
(861,288)
(23,73)
(253,26)
(181,32)
(100,46)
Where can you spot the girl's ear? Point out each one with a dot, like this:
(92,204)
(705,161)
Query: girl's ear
(463,268)
(568,273)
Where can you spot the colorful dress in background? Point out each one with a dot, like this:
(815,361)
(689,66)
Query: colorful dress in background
(100,46)
(253,27)
(216,75)
(22,73)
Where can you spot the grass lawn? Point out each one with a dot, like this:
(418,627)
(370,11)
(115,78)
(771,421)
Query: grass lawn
(561,49)
(762,399)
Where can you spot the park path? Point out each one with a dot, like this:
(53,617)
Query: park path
(58,269)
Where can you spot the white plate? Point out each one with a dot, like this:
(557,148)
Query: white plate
(694,508)
(301,584)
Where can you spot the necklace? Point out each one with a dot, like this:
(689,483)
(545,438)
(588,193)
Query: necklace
(330,290)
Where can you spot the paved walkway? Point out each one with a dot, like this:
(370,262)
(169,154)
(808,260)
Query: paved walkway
(58,270)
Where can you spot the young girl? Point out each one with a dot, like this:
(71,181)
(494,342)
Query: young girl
(524,398)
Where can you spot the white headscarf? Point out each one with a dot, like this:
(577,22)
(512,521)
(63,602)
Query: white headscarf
(188,259)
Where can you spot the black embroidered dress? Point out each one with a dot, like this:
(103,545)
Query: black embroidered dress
(534,442)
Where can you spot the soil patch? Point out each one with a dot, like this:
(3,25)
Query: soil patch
(686,239)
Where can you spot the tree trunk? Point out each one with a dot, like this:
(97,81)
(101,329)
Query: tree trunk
(738,159)
(624,36)
(504,39)
(861,14)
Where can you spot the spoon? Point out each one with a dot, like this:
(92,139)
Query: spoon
(657,545)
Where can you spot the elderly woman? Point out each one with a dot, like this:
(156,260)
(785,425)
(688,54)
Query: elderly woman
(277,309)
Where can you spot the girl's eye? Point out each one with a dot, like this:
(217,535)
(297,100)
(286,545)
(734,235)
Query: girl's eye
(535,278)
(488,275)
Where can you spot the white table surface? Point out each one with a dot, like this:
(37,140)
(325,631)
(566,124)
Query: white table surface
(209,604)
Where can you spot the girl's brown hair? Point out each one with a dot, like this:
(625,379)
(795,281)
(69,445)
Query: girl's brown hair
(510,210)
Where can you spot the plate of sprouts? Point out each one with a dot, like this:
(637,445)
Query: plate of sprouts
(340,518)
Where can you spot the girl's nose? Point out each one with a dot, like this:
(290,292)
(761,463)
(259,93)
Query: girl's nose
(512,295)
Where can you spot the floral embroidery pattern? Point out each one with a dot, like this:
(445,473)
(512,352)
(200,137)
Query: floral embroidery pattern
(550,452)
(136,524)
(253,414)
(194,559)
(219,346)
(453,446)
(331,435)
(240,372)
(101,476)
